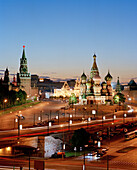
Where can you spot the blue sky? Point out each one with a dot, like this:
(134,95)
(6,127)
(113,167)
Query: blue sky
(61,36)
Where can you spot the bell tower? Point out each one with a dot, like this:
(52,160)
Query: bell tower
(25,77)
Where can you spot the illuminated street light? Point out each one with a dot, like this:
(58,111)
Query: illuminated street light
(114,116)
(89,119)
(70,122)
(103,118)
(50,124)
(94,113)
(57,117)
(84,157)
(124,117)
(19,126)
(4,103)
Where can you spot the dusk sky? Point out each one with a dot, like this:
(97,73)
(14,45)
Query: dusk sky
(61,37)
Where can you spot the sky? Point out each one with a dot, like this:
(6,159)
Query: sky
(61,37)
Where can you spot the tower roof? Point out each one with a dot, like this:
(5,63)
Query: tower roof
(83,76)
(23,54)
(108,76)
(132,83)
(118,86)
(94,67)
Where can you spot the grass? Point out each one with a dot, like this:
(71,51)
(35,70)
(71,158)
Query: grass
(19,107)
(71,154)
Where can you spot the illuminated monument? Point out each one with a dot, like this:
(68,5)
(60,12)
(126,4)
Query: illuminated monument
(92,90)
(89,90)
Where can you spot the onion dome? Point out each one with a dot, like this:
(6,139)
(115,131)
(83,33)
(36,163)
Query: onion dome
(83,77)
(104,83)
(108,77)
(94,67)
(96,77)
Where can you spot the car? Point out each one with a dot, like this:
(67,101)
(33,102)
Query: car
(58,155)
(100,154)
(105,149)
(92,153)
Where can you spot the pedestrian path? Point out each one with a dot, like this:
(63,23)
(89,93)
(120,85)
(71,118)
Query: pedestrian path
(17,168)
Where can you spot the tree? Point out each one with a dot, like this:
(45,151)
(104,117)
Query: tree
(12,97)
(80,138)
(119,98)
(72,99)
(22,96)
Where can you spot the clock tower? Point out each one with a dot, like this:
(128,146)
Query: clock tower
(25,77)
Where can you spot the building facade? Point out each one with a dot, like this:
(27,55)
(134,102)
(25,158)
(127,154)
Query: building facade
(89,90)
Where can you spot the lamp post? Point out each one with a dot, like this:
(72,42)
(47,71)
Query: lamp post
(63,145)
(88,120)
(94,112)
(4,102)
(114,117)
(124,116)
(132,115)
(41,115)
(84,157)
(57,117)
(19,117)
(103,118)
(69,123)
(49,123)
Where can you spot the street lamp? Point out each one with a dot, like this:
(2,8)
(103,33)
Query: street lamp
(19,117)
(69,123)
(57,117)
(88,120)
(124,117)
(94,112)
(114,117)
(49,123)
(4,102)
(103,118)
(63,145)
(84,157)
(41,115)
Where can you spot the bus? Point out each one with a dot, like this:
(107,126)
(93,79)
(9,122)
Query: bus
(131,135)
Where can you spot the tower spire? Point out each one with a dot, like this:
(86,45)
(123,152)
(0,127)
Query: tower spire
(94,69)
(118,86)
(23,54)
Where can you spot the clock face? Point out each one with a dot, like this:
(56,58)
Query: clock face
(24,70)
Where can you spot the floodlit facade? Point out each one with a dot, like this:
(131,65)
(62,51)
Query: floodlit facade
(90,90)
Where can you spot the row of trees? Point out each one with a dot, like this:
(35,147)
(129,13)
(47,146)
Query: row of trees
(11,98)
(117,99)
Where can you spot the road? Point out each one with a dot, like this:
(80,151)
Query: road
(8,120)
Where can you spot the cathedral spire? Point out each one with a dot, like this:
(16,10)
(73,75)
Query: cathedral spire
(94,69)
(118,86)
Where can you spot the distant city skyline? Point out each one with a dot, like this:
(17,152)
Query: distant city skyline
(61,37)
